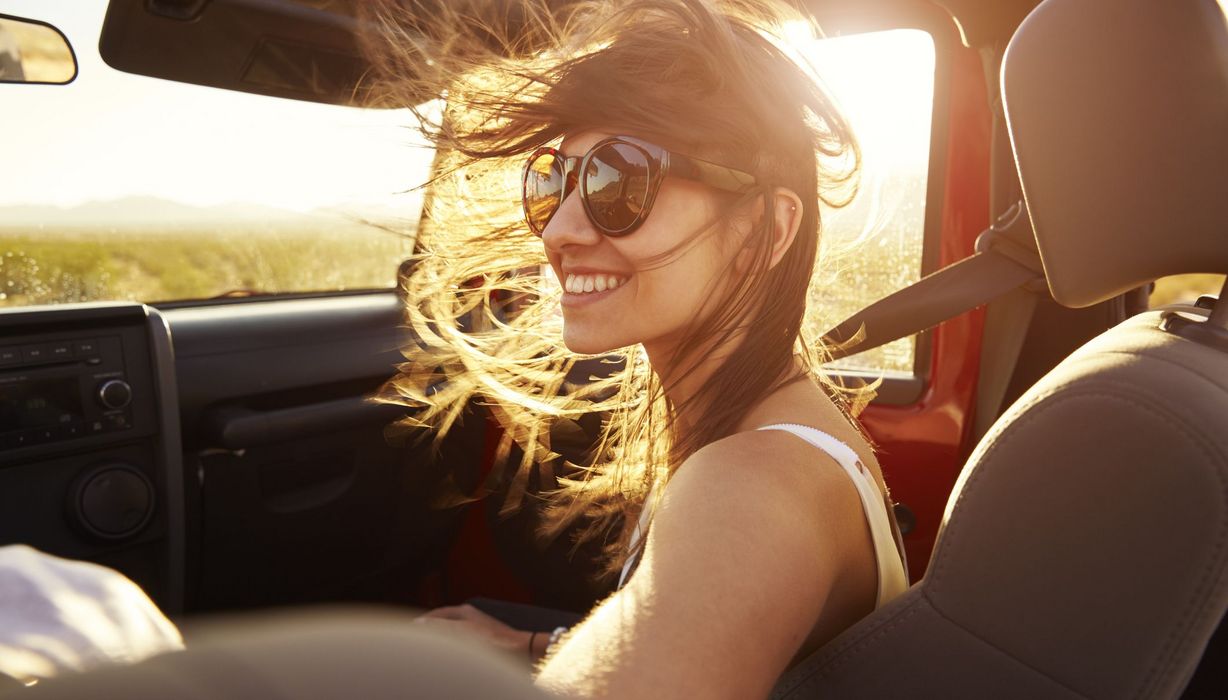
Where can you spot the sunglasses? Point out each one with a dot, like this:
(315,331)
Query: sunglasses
(618,180)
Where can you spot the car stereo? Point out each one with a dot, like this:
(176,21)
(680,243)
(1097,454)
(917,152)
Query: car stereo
(64,390)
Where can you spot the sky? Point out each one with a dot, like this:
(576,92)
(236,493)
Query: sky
(884,83)
(110,135)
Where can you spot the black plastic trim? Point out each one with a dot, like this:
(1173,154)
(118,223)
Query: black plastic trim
(277,323)
(236,428)
(232,354)
(170,441)
(278,48)
(21,319)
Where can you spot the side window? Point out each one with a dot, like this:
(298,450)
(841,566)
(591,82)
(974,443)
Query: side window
(1185,289)
(133,188)
(884,82)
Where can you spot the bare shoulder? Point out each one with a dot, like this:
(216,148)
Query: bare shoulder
(769,465)
(764,488)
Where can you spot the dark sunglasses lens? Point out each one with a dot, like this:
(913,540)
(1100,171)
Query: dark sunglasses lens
(616,186)
(543,190)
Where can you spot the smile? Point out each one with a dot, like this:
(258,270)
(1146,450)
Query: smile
(588,284)
(582,290)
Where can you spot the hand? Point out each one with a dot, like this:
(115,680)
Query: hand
(470,620)
(62,616)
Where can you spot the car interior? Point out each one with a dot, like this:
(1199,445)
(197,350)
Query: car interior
(1057,448)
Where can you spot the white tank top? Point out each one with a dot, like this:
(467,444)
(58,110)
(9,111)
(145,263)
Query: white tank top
(888,551)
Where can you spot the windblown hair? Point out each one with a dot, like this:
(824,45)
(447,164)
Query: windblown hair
(709,79)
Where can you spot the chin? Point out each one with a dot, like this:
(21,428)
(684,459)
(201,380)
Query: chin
(590,344)
(587,347)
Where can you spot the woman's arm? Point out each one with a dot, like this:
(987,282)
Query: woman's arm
(750,535)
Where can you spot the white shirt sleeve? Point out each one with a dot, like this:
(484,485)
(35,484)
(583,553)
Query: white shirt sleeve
(58,615)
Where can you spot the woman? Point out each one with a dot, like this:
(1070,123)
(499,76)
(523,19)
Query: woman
(671,157)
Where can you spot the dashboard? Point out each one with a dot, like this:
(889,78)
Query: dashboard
(222,456)
(90,460)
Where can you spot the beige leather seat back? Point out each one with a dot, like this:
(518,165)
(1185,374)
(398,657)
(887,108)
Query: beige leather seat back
(1085,548)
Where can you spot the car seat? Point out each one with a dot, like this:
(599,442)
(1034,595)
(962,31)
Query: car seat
(1084,552)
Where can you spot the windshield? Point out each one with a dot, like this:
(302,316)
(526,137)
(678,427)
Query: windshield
(128,187)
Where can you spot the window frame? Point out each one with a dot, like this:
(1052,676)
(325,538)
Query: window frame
(895,389)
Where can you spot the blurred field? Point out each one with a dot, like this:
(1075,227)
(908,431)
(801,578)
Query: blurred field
(1185,288)
(868,251)
(51,267)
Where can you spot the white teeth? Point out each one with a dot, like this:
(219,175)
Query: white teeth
(583,284)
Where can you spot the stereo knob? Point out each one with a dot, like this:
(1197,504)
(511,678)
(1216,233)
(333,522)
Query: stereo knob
(111,502)
(114,393)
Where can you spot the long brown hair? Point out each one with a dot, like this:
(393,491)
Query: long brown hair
(710,79)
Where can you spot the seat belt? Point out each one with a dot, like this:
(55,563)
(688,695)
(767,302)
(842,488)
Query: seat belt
(1006,326)
(1003,262)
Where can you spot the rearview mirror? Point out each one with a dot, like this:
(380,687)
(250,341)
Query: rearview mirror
(34,52)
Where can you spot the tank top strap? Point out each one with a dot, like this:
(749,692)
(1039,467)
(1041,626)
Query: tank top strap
(636,545)
(892,579)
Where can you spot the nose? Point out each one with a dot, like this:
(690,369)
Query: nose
(569,226)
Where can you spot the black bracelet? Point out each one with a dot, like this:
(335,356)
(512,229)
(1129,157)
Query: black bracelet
(531,638)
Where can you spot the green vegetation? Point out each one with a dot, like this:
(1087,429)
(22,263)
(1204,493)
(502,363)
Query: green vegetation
(1185,288)
(52,267)
(859,278)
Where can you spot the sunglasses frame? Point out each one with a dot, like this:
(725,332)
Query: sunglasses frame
(661,163)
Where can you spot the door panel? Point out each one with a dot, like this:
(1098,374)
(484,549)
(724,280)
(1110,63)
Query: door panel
(294,493)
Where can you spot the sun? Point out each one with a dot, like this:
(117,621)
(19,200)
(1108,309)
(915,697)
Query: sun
(883,82)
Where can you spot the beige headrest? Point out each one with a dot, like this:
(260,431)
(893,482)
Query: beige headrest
(1118,114)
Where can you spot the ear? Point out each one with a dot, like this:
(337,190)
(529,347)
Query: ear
(787,208)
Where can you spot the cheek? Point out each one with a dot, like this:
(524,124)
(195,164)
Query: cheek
(684,289)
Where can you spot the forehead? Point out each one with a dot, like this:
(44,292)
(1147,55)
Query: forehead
(578,143)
